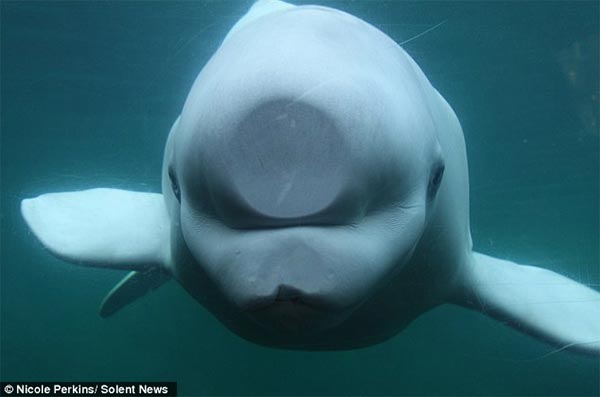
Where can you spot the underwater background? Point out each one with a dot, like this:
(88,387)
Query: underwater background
(89,91)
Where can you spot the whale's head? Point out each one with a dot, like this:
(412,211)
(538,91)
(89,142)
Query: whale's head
(303,172)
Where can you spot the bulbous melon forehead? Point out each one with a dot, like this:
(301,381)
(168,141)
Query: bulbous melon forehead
(352,73)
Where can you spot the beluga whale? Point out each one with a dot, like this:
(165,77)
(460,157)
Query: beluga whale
(315,196)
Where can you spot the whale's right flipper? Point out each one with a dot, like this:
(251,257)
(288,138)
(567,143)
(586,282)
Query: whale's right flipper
(109,228)
(540,302)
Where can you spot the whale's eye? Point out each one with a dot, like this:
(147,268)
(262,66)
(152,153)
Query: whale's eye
(435,180)
(174,184)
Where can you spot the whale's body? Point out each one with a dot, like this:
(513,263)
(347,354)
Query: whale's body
(314,196)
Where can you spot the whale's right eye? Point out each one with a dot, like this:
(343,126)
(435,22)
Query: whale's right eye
(174,184)
(435,180)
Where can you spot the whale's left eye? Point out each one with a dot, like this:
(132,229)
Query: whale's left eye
(435,180)
(174,184)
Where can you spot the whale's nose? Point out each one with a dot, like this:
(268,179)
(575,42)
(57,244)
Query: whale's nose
(287,164)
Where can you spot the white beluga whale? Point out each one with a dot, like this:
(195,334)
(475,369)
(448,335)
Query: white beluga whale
(315,196)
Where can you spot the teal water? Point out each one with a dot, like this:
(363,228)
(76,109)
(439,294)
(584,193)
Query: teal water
(89,90)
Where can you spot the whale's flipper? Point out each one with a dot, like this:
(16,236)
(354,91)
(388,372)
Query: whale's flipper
(131,287)
(540,302)
(109,228)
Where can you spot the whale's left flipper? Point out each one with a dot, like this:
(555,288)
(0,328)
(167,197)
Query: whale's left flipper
(540,302)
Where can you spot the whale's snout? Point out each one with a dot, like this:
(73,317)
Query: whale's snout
(285,282)
(287,293)
(290,309)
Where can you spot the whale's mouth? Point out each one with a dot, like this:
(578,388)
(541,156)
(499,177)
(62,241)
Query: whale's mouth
(286,294)
(291,311)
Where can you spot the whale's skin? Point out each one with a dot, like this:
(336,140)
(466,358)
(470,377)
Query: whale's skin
(422,282)
(315,196)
